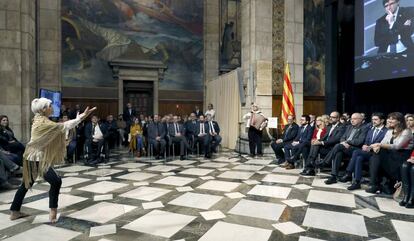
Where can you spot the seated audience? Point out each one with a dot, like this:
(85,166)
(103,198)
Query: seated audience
(320,129)
(70,139)
(202,137)
(6,165)
(176,135)
(190,128)
(112,129)
(390,154)
(312,121)
(300,144)
(214,133)
(351,140)
(156,136)
(9,143)
(136,142)
(407,178)
(325,145)
(95,134)
(410,122)
(375,135)
(289,133)
(121,124)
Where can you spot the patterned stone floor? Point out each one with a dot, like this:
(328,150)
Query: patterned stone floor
(210,200)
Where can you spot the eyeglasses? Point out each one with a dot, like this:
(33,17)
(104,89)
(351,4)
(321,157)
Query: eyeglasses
(333,117)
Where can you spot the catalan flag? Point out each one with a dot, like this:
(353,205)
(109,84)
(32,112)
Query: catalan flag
(288,105)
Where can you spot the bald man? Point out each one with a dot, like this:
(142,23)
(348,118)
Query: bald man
(351,140)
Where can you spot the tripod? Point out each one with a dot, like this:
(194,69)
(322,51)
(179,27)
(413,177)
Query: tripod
(239,140)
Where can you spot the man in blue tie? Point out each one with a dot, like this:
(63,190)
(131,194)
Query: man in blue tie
(375,135)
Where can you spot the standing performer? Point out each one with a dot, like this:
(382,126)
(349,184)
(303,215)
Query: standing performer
(256,122)
(45,149)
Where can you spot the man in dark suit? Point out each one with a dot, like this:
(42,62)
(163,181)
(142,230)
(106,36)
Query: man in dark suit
(203,137)
(331,138)
(289,133)
(75,112)
(112,131)
(176,135)
(197,111)
(190,129)
(351,140)
(300,144)
(129,114)
(375,135)
(214,133)
(156,136)
(394,28)
(95,134)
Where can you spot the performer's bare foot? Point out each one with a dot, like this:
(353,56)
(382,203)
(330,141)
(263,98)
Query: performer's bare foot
(17,214)
(53,215)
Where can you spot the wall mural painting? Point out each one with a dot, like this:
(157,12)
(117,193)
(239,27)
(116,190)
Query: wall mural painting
(314,48)
(95,32)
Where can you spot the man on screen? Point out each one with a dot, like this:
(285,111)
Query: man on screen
(394,29)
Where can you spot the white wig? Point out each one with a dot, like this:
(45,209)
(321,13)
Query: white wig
(39,104)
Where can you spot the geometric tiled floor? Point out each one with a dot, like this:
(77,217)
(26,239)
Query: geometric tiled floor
(209,200)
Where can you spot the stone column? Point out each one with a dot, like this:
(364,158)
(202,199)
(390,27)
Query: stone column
(50,61)
(294,49)
(256,27)
(211,42)
(17,63)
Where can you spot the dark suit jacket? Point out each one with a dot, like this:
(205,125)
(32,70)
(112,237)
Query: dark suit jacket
(111,128)
(155,130)
(88,130)
(359,136)
(216,127)
(290,132)
(378,138)
(198,113)
(190,127)
(197,129)
(304,136)
(128,118)
(171,129)
(385,36)
(335,137)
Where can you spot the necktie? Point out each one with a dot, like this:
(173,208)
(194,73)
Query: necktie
(331,130)
(212,127)
(176,128)
(156,129)
(93,130)
(351,135)
(374,135)
(201,128)
(301,133)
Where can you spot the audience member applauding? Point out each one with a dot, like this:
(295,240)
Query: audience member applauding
(407,178)
(136,142)
(289,133)
(9,143)
(390,154)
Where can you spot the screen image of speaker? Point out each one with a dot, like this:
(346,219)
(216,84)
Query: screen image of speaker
(55,97)
(384,39)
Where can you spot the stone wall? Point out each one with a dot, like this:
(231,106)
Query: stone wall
(17,63)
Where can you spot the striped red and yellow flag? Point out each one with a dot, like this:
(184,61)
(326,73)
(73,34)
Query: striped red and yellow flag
(288,105)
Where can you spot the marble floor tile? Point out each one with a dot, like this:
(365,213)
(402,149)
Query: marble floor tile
(236,175)
(181,163)
(251,182)
(162,168)
(4,207)
(5,222)
(44,218)
(270,191)
(221,186)
(146,193)
(103,197)
(42,231)
(317,182)
(288,228)
(256,209)
(196,200)
(332,198)
(184,189)
(207,178)
(303,238)
(405,230)
(138,184)
(234,195)
(294,203)
(7,197)
(336,222)
(103,187)
(131,165)
(137,176)
(223,169)
(71,174)
(65,200)
(175,181)
(286,171)
(196,172)
(302,186)
(102,212)
(222,231)
(380,239)
(160,223)
(104,178)
(225,159)
(370,213)
(70,181)
(212,215)
(74,168)
(103,172)
(152,205)
(275,178)
(391,206)
(213,165)
(258,162)
(244,167)
(102,230)
(166,174)
(362,193)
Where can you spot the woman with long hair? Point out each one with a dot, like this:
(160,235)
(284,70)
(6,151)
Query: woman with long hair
(45,149)
(8,142)
(136,144)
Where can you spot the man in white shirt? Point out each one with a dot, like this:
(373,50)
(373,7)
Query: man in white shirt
(95,134)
